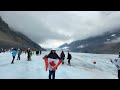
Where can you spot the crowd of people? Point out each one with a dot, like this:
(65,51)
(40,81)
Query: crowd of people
(52,60)
(18,52)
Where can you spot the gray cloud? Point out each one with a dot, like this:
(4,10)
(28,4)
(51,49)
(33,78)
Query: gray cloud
(58,27)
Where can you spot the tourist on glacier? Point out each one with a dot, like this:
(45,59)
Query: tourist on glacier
(69,57)
(116,62)
(29,52)
(119,54)
(62,56)
(14,52)
(52,61)
(19,53)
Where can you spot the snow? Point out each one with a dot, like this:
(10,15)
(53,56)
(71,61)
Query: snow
(81,46)
(117,40)
(65,48)
(108,39)
(113,35)
(82,67)
(107,42)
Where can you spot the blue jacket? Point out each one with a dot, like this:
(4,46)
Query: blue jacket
(14,52)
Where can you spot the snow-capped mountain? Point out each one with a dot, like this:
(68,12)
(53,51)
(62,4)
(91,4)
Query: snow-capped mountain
(109,43)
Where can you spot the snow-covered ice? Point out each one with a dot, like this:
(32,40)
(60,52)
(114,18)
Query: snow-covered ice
(82,67)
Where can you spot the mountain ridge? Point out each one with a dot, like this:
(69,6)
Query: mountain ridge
(10,38)
(101,44)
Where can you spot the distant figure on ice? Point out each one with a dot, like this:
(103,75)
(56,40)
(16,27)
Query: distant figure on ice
(69,57)
(117,64)
(40,52)
(19,53)
(52,61)
(0,50)
(37,52)
(119,54)
(29,52)
(14,52)
(62,56)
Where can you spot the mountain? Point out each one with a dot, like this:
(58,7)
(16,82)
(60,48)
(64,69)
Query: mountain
(64,45)
(107,43)
(10,38)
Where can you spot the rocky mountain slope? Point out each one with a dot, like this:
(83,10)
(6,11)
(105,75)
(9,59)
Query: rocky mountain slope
(9,38)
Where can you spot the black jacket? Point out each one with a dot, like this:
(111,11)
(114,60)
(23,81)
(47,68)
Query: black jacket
(69,56)
(29,52)
(62,56)
(53,56)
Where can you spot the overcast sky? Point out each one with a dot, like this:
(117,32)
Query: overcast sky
(51,29)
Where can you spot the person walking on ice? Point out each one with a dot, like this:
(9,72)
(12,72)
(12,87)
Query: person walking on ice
(69,57)
(62,56)
(119,54)
(19,53)
(14,52)
(29,54)
(116,62)
(52,61)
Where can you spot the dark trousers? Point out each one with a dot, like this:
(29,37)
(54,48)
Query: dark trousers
(29,58)
(118,74)
(69,61)
(119,56)
(18,57)
(63,62)
(51,74)
(13,59)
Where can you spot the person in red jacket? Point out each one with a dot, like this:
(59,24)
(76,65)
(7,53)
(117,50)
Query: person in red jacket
(52,61)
